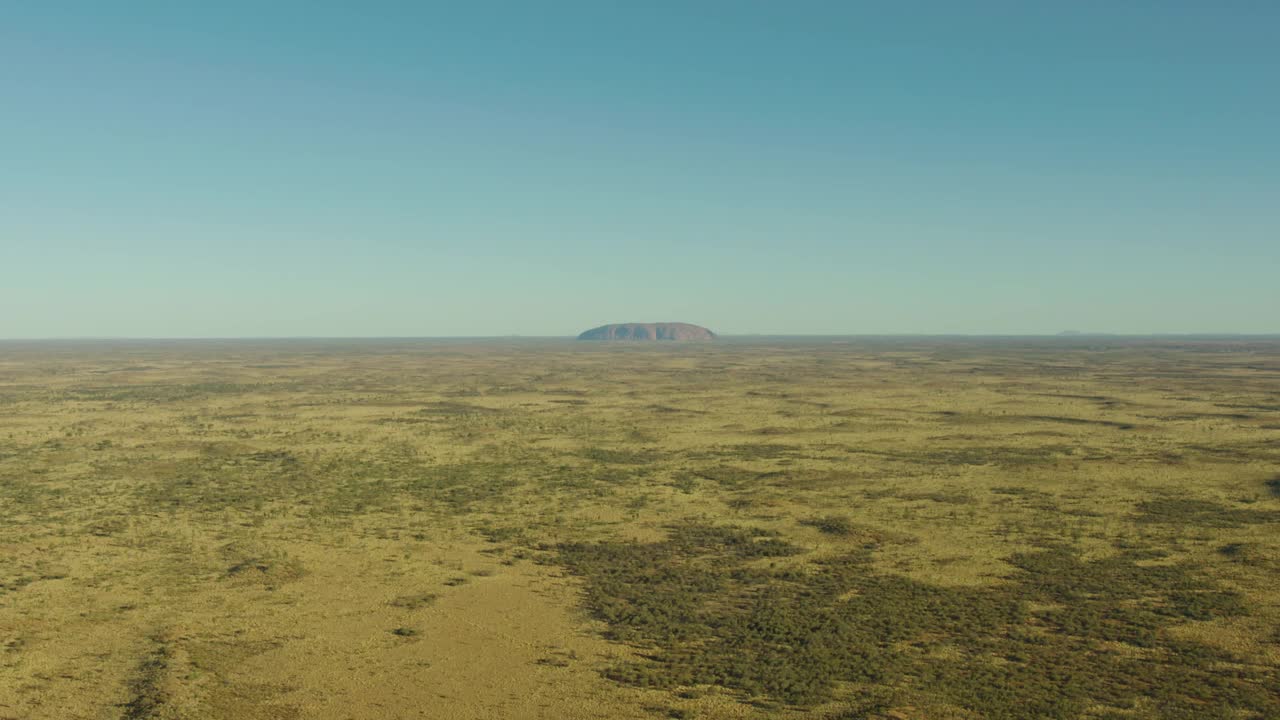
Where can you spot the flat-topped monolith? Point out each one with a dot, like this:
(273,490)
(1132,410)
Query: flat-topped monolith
(649,331)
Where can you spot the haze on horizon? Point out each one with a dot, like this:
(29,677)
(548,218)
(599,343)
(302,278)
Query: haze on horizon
(292,169)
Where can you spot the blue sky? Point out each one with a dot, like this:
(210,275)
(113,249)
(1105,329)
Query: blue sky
(490,168)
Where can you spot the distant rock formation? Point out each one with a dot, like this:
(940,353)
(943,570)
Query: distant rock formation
(648,331)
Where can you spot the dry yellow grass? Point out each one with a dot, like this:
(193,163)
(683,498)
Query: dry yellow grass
(324,529)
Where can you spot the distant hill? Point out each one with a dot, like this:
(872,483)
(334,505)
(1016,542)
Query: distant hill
(648,331)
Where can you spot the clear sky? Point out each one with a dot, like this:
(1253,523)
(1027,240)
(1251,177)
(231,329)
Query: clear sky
(285,168)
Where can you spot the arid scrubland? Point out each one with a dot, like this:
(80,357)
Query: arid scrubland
(860,528)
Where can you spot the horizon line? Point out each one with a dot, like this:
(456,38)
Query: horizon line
(1060,335)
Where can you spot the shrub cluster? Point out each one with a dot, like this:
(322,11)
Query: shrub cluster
(710,605)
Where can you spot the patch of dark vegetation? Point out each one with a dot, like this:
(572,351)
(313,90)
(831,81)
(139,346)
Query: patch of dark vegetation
(1233,550)
(816,479)
(148,697)
(772,430)
(446,408)
(1006,456)
(13,583)
(1273,486)
(761,451)
(1036,500)
(458,487)
(501,534)
(768,394)
(712,605)
(215,482)
(1217,416)
(672,410)
(938,496)
(685,483)
(1079,421)
(837,525)
(1123,597)
(879,493)
(283,457)
(1235,453)
(1020,491)
(1074,396)
(21,493)
(612,456)
(1201,513)
(869,413)
(253,564)
(400,420)
(415,601)
(163,393)
(657,590)
(1251,555)
(728,476)
(1251,406)
(970,418)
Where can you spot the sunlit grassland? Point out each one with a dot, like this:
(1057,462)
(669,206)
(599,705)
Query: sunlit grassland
(853,529)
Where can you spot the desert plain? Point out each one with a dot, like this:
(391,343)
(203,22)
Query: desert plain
(906,528)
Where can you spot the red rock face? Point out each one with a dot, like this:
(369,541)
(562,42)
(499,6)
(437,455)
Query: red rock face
(648,331)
